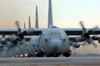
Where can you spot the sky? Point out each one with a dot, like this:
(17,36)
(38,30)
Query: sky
(66,13)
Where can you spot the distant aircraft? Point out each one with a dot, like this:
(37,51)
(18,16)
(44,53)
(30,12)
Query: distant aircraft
(54,41)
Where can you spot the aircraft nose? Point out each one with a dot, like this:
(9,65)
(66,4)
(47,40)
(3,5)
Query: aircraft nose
(55,45)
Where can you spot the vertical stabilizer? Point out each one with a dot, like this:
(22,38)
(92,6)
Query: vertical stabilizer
(50,16)
(36,20)
(24,25)
(29,23)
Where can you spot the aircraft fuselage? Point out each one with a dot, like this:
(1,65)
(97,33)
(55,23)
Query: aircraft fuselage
(54,40)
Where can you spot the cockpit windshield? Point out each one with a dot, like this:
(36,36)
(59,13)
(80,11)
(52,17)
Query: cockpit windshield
(55,35)
(52,34)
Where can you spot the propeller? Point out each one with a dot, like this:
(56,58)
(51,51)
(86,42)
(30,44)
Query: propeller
(18,26)
(20,34)
(85,34)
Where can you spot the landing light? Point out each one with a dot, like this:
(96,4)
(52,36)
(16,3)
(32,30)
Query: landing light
(16,55)
(12,57)
(36,53)
(21,55)
(26,55)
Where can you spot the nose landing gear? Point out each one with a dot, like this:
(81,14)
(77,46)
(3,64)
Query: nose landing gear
(68,53)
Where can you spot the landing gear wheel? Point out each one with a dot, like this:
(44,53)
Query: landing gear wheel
(68,53)
(38,54)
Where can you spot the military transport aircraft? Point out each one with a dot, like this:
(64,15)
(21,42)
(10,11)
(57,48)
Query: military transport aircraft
(54,41)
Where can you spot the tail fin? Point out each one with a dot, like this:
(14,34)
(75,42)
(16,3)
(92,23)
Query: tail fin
(29,23)
(50,17)
(24,25)
(36,20)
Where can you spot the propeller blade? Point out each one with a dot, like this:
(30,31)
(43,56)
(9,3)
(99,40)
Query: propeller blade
(95,28)
(18,26)
(93,43)
(82,25)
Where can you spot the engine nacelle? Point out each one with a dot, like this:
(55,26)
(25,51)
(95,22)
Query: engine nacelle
(77,45)
(68,53)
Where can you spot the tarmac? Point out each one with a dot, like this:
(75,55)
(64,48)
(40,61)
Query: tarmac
(51,61)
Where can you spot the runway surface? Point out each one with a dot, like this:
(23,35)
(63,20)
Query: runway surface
(52,61)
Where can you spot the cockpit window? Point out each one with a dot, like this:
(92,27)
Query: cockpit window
(55,35)
(52,35)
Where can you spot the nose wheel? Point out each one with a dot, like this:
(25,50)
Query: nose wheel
(68,53)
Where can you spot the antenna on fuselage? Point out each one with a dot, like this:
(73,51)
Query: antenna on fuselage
(36,18)
(29,23)
(50,16)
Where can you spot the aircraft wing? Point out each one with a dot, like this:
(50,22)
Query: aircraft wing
(34,31)
(69,31)
(73,38)
(15,31)
(8,31)
(78,31)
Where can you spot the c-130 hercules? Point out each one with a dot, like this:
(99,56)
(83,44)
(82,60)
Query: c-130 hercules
(54,41)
